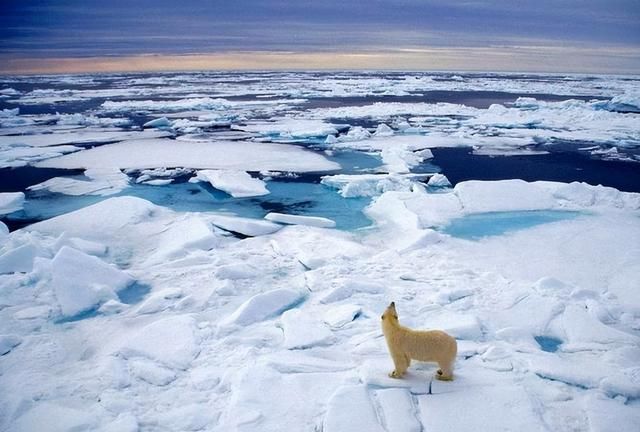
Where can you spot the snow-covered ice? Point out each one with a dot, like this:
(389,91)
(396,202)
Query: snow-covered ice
(128,314)
(238,184)
(152,153)
(288,219)
(11,202)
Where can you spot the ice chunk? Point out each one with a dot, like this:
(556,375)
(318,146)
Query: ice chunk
(18,260)
(400,160)
(356,185)
(4,231)
(503,195)
(245,226)
(234,271)
(263,306)
(349,410)
(375,374)
(382,130)
(238,184)
(291,128)
(182,236)
(86,246)
(8,342)
(342,315)
(77,137)
(314,221)
(151,372)
(303,331)
(348,287)
(357,133)
(54,418)
(100,221)
(153,153)
(160,123)
(102,181)
(485,398)
(11,202)
(17,156)
(171,341)
(81,282)
(460,326)
(624,383)
(398,410)
(439,180)
(123,423)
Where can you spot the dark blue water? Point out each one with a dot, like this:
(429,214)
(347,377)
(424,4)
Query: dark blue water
(460,164)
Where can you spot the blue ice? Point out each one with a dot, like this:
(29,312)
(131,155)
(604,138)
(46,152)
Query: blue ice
(476,226)
(548,343)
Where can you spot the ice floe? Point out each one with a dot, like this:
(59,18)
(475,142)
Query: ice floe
(11,202)
(238,184)
(289,219)
(154,153)
(99,181)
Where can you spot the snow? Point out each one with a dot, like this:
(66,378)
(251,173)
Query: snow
(288,219)
(351,409)
(19,259)
(77,137)
(291,128)
(439,180)
(8,342)
(238,184)
(101,181)
(55,418)
(263,306)
(172,342)
(11,202)
(302,331)
(234,322)
(245,226)
(357,185)
(153,153)
(81,282)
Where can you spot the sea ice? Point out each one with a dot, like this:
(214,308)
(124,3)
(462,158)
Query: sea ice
(244,226)
(19,259)
(78,137)
(238,184)
(172,341)
(357,185)
(81,282)
(100,181)
(8,342)
(55,418)
(11,202)
(302,331)
(288,219)
(154,153)
(263,306)
(350,409)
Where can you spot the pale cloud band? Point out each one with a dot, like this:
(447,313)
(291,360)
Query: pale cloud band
(623,60)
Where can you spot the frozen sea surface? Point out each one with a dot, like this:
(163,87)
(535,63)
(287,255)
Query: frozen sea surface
(219,256)
(476,226)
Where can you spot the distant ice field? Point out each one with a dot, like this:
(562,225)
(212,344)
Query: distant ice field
(481,126)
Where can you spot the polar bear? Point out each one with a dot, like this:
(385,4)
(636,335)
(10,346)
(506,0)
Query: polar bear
(427,345)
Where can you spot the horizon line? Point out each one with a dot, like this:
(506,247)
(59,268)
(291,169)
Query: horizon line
(514,59)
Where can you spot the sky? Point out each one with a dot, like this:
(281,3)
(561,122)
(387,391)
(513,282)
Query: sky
(517,35)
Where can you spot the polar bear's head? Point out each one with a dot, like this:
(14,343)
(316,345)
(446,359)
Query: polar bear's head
(390,313)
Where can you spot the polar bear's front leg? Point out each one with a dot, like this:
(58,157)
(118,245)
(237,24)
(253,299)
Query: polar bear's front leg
(401,363)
